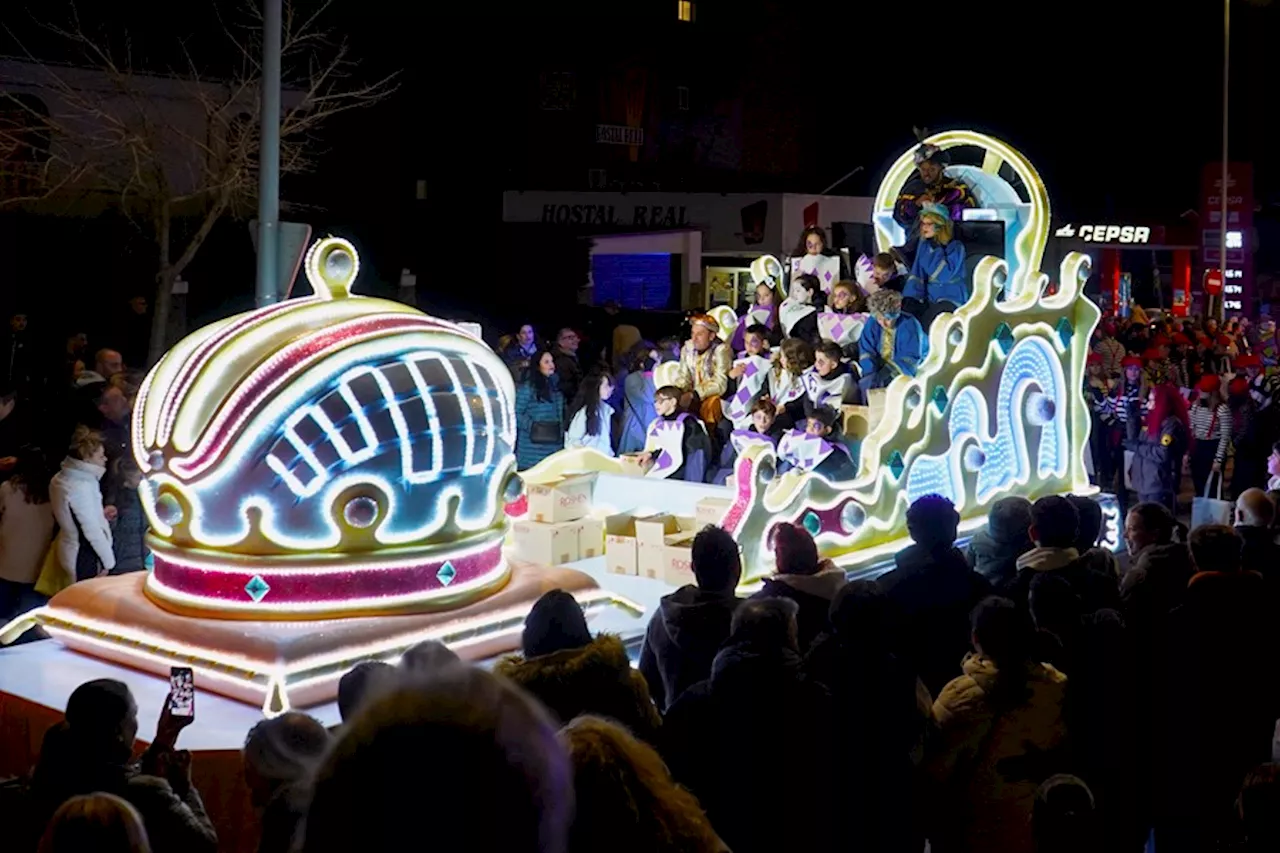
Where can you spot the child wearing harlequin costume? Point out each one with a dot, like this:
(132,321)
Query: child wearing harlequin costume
(818,448)
(677,446)
(764,313)
(844,318)
(786,380)
(762,426)
(831,382)
(750,372)
(798,313)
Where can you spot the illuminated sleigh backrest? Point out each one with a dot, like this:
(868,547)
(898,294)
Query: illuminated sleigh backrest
(1004,182)
(326,455)
(994,410)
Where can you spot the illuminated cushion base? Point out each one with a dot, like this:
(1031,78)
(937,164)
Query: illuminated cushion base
(326,585)
(280,664)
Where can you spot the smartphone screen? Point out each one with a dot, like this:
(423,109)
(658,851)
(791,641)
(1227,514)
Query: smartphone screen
(182,691)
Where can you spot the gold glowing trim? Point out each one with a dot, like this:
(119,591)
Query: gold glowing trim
(1030,245)
(279,680)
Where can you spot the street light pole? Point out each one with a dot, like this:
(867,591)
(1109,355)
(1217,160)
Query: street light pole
(267,290)
(1225,191)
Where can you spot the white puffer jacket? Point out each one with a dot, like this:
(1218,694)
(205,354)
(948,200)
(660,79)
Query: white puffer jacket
(76,498)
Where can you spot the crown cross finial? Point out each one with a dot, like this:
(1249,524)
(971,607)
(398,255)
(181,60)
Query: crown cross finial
(332,265)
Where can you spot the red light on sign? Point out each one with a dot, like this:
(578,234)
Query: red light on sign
(1213,282)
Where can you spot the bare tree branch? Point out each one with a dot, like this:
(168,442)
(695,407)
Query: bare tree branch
(184,145)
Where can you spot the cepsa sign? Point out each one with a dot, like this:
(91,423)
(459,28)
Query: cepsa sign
(1105,233)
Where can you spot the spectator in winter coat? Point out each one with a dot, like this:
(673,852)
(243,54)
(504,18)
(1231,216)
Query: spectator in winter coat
(716,748)
(1055,528)
(934,589)
(1001,732)
(613,773)
(878,695)
(92,751)
(993,552)
(573,674)
(84,535)
(540,422)
(1219,684)
(808,581)
(692,622)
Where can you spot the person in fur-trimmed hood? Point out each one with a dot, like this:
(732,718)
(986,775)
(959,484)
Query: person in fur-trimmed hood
(1055,529)
(1001,733)
(572,673)
(805,579)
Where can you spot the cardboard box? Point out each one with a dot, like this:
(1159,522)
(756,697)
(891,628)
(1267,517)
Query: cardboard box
(632,465)
(547,544)
(710,511)
(652,535)
(590,537)
(856,421)
(620,553)
(677,560)
(564,499)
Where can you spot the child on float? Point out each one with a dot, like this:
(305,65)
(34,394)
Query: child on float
(677,447)
(762,312)
(831,382)
(813,244)
(844,318)
(799,311)
(762,425)
(818,448)
(751,373)
(936,283)
(892,346)
(786,380)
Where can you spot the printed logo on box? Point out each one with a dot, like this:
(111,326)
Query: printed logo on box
(573,500)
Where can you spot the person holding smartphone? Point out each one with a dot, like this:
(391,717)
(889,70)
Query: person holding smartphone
(92,750)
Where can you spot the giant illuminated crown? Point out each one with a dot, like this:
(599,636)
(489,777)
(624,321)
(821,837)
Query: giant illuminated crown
(330,455)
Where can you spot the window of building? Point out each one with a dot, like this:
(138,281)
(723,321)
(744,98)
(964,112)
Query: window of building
(684,10)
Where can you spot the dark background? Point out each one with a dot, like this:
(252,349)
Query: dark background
(1118,106)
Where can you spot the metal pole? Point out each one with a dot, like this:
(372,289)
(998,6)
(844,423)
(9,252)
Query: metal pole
(268,285)
(1225,192)
(853,172)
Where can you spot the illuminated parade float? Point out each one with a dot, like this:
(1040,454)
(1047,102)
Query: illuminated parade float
(332,478)
(994,409)
(324,482)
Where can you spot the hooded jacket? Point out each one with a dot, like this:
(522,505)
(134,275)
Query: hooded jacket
(1096,589)
(758,725)
(813,593)
(989,761)
(594,679)
(682,639)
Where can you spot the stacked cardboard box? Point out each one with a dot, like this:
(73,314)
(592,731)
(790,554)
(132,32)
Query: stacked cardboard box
(558,529)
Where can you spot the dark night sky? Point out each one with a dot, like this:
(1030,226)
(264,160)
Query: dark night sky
(1118,105)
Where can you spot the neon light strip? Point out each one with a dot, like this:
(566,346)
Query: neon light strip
(191,367)
(210,590)
(275,374)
